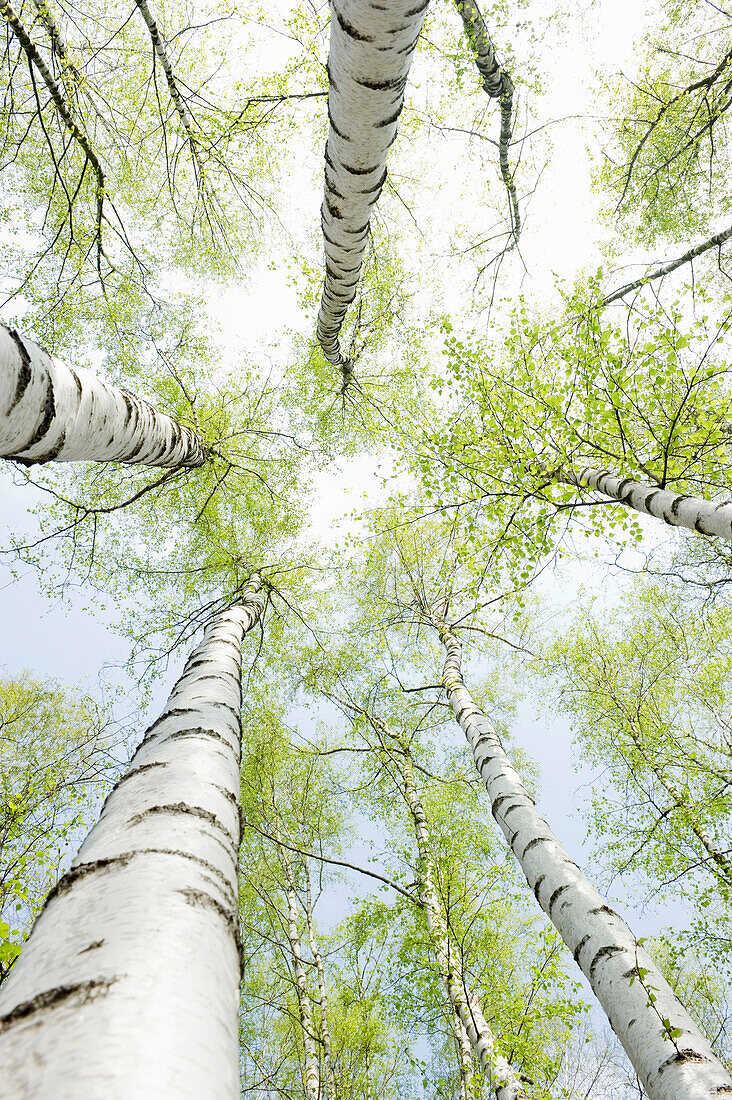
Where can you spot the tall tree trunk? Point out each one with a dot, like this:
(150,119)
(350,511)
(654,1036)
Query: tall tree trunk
(499,1071)
(676,509)
(49,411)
(322,994)
(672,1058)
(463,1051)
(371,47)
(129,983)
(498,84)
(312,1068)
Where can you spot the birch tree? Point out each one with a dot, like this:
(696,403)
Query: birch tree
(464,1004)
(670,1055)
(652,685)
(368,66)
(635,413)
(159,998)
(51,412)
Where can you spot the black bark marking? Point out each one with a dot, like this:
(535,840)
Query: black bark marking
(603,953)
(83,870)
(395,84)
(578,948)
(499,802)
(516,806)
(606,910)
(556,895)
(200,899)
(388,121)
(24,373)
(358,171)
(351,30)
(176,808)
(92,947)
(48,412)
(537,886)
(683,1056)
(416,11)
(51,453)
(536,840)
(334,128)
(130,775)
(331,187)
(198,731)
(52,998)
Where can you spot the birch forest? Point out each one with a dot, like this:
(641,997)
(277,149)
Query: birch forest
(366,567)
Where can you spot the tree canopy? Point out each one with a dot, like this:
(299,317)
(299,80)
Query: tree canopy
(425,311)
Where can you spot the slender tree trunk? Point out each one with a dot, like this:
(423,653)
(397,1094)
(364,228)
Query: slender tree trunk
(463,1051)
(371,47)
(676,509)
(312,1068)
(49,411)
(498,84)
(322,995)
(129,983)
(672,1058)
(720,860)
(499,1071)
(161,52)
(665,269)
(70,75)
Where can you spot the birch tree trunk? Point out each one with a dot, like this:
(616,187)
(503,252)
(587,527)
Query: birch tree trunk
(49,411)
(498,84)
(463,1051)
(312,1068)
(672,1058)
(371,47)
(466,1006)
(676,509)
(129,983)
(322,994)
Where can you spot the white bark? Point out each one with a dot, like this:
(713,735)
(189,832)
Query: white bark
(464,1055)
(322,995)
(500,1073)
(49,411)
(676,509)
(672,1058)
(161,52)
(498,84)
(129,983)
(312,1067)
(371,47)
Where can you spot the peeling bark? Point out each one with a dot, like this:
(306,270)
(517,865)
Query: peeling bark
(673,1060)
(676,509)
(129,981)
(51,412)
(371,48)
